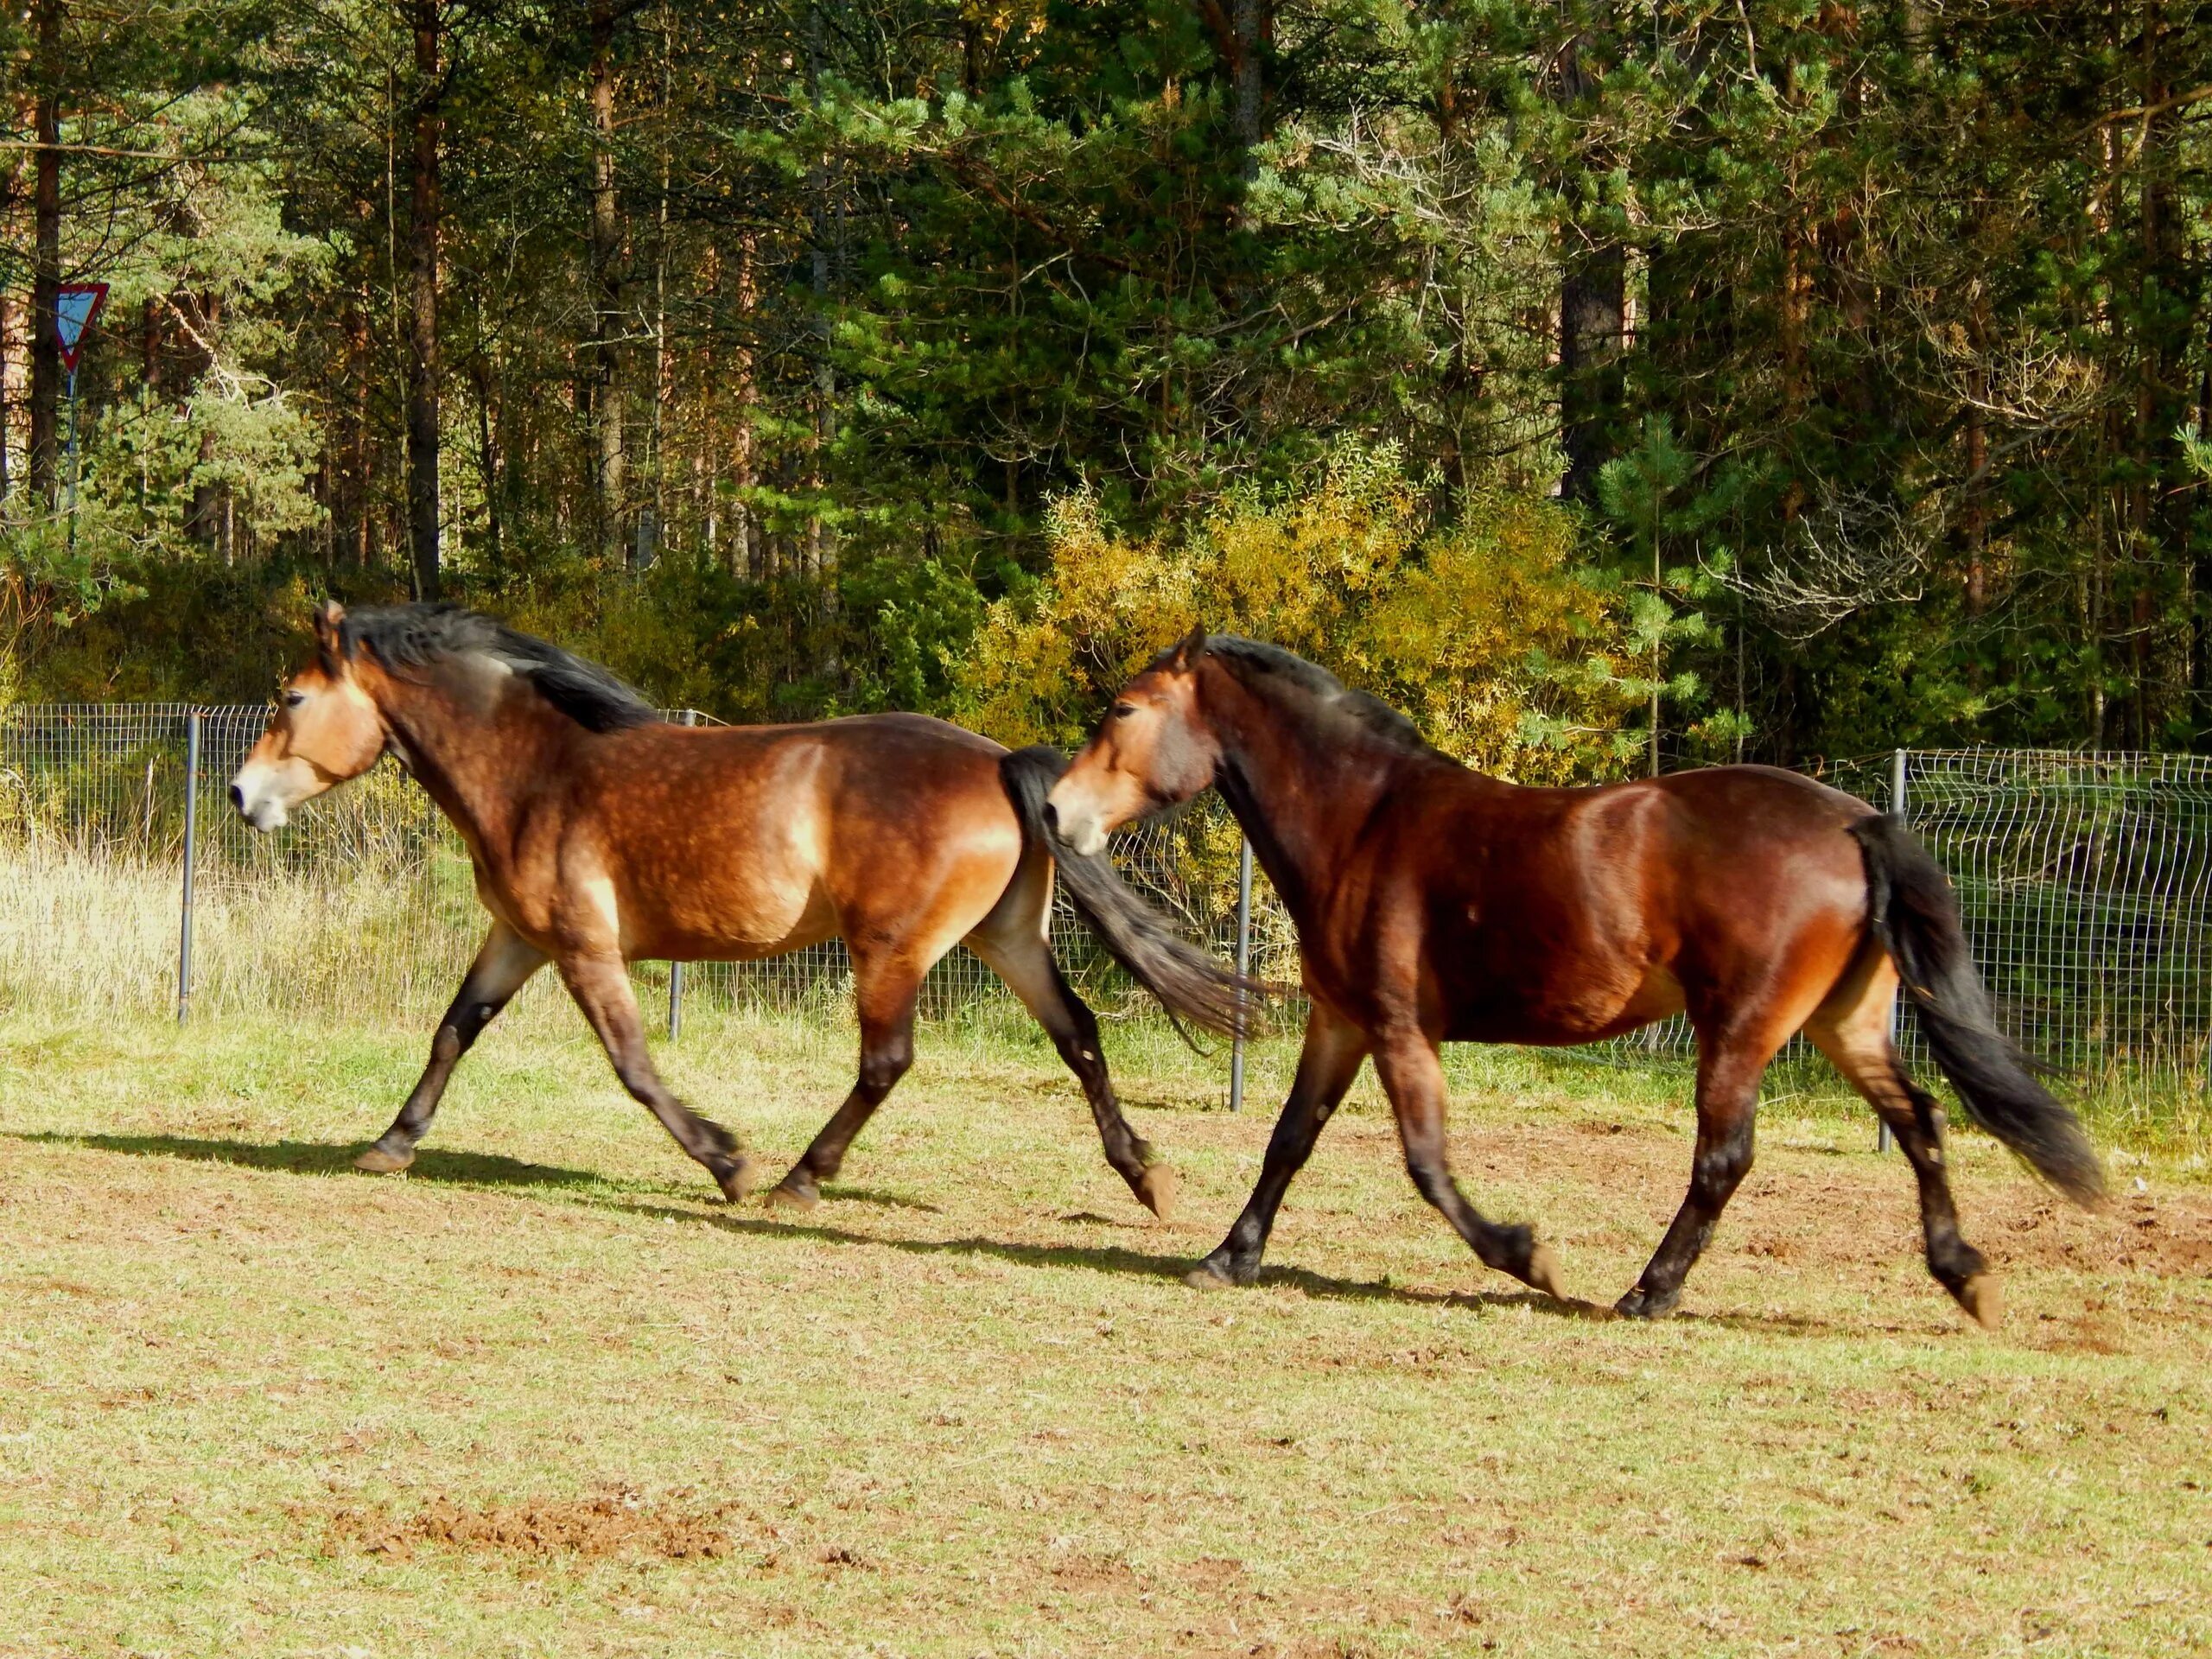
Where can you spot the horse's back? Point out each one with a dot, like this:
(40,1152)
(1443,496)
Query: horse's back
(752,840)
(899,731)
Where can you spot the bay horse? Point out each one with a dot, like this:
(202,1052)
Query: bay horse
(1435,903)
(601,834)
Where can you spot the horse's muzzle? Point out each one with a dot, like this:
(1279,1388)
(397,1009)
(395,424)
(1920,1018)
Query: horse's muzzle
(260,806)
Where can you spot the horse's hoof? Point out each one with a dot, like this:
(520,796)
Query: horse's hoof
(1641,1304)
(798,1199)
(1542,1272)
(737,1177)
(1155,1190)
(1219,1272)
(1983,1299)
(381,1160)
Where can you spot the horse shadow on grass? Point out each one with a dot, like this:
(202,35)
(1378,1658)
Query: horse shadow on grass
(1115,1259)
(320,1158)
(493,1170)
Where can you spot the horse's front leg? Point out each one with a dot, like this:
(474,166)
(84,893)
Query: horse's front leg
(502,967)
(1326,1065)
(1412,1075)
(600,984)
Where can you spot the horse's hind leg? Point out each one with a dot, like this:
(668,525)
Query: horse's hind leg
(601,987)
(1021,955)
(1852,1029)
(1729,1066)
(1413,1077)
(886,993)
(502,967)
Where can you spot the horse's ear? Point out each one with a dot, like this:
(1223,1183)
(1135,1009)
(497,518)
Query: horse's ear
(1188,650)
(328,617)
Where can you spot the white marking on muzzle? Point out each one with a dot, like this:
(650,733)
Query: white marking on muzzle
(257,794)
(1079,826)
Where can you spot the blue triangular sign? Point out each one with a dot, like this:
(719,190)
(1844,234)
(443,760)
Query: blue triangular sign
(74,308)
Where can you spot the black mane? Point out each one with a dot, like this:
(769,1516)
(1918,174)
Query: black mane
(420,635)
(1250,659)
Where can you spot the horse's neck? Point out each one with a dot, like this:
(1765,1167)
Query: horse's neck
(1301,793)
(469,761)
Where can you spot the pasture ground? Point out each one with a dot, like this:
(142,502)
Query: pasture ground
(542,1397)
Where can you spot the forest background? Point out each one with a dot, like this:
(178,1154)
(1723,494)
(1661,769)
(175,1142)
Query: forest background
(1610,385)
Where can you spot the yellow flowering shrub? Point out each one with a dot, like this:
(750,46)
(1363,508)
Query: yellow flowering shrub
(1484,631)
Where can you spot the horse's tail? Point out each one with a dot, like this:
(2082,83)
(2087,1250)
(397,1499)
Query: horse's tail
(1189,983)
(1915,916)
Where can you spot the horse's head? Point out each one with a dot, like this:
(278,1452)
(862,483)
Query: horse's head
(325,729)
(1152,751)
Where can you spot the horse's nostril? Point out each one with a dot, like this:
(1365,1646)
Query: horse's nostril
(1052,818)
(237,798)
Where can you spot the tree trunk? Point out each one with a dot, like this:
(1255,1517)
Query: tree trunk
(1793,327)
(748,547)
(2200,607)
(351,511)
(606,358)
(1976,525)
(150,398)
(1593,333)
(652,523)
(487,457)
(45,259)
(971,49)
(828,218)
(425,208)
(2163,531)
(1253,25)
(10,175)
(203,518)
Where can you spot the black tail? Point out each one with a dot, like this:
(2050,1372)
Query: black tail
(1915,916)
(1188,982)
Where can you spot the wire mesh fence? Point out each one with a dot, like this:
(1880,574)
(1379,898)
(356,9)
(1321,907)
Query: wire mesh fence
(2086,883)
(2086,880)
(364,906)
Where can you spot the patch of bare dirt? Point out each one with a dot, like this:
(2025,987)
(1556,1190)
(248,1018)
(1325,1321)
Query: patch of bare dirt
(1093,1572)
(1805,1211)
(610,1524)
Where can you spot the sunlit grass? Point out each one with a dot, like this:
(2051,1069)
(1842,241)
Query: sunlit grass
(543,1395)
(94,938)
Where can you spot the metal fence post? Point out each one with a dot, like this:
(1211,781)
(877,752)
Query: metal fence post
(191,850)
(688,717)
(1243,966)
(1882,1140)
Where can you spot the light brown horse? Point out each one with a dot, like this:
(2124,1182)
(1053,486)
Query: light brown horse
(1436,905)
(601,834)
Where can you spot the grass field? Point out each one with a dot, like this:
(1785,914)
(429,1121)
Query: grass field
(542,1397)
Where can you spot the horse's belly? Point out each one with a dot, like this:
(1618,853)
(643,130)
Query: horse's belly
(1560,1004)
(738,919)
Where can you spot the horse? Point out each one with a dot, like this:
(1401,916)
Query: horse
(1435,903)
(601,834)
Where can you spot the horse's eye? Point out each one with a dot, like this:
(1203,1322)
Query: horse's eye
(294,699)
(1123,710)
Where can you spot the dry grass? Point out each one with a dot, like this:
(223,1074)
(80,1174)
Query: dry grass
(90,936)
(540,1396)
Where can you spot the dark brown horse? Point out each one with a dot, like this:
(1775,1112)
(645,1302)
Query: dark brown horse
(1436,905)
(601,834)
